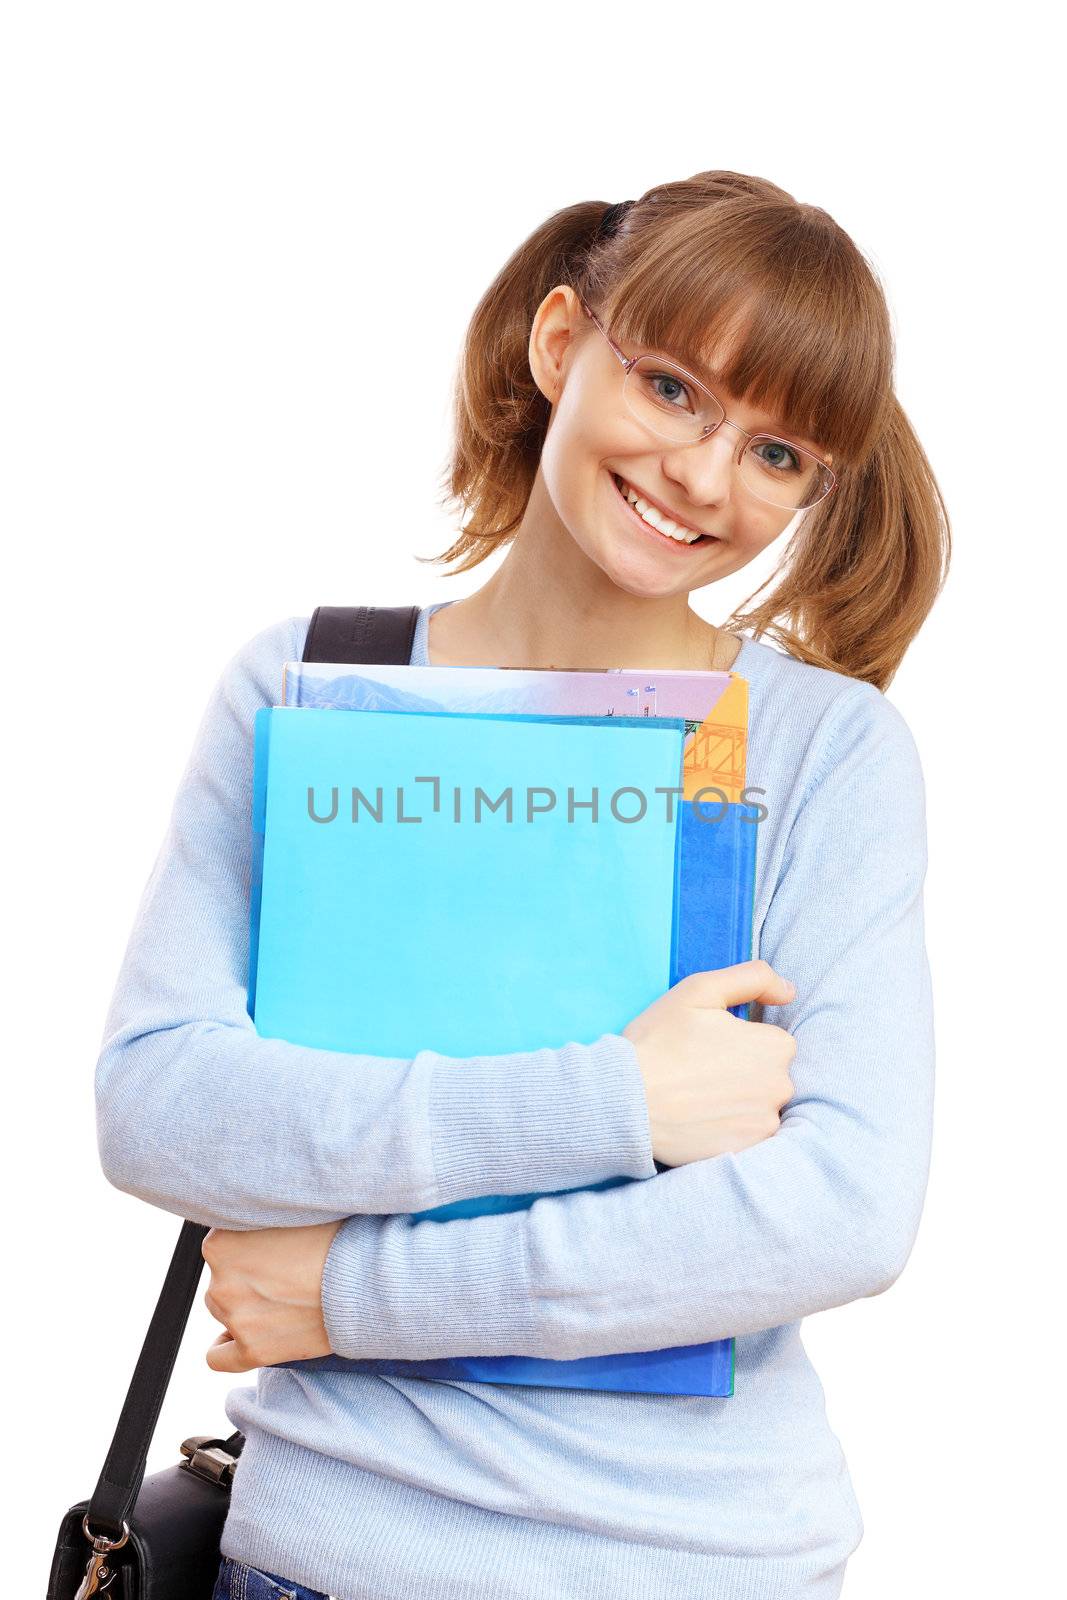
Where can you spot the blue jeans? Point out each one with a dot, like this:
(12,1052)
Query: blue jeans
(238,1581)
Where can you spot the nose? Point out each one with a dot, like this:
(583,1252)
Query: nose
(706,470)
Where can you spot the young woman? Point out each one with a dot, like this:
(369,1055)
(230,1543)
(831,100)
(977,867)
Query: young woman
(650,395)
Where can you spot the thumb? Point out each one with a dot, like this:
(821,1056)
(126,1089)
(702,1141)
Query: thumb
(221,1357)
(733,986)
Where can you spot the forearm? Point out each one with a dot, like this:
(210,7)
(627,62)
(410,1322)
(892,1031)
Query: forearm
(707,1251)
(199,1114)
(211,1122)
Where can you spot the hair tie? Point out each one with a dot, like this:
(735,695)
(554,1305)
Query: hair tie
(609,222)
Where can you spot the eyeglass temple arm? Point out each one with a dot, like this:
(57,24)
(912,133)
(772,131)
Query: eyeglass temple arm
(627,361)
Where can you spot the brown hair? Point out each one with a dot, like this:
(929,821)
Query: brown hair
(723,253)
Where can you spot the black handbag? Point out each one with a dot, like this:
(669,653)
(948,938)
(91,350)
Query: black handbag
(157,1538)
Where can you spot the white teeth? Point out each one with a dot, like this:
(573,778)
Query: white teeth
(656,519)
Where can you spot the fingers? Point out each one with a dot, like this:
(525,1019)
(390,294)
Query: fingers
(734,986)
(223,1355)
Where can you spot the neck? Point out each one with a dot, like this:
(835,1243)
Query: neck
(548,606)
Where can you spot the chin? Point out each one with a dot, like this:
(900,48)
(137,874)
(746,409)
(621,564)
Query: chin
(642,584)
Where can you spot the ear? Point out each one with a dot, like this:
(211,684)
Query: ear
(556,322)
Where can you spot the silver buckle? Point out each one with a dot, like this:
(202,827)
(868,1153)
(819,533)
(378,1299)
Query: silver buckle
(206,1457)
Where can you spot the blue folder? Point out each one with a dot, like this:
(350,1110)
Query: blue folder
(569,928)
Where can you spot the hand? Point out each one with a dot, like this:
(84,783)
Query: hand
(713,1082)
(266,1290)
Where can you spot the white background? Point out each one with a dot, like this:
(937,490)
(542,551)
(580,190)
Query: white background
(218,218)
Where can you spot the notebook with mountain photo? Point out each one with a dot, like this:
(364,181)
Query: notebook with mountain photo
(718,815)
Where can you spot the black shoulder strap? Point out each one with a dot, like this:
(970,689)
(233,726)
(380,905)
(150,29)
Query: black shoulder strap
(374,634)
(119,1484)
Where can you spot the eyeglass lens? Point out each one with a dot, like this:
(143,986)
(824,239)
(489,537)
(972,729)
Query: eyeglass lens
(668,402)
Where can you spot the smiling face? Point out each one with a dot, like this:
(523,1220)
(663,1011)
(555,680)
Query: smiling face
(594,441)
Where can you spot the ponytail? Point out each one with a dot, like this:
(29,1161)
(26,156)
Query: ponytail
(500,415)
(863,569)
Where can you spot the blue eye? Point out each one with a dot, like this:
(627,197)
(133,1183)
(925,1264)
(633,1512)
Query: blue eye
(667,387)
(781,460)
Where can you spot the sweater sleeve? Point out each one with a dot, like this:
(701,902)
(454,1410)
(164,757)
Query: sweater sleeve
(822,1213)
(197,1114)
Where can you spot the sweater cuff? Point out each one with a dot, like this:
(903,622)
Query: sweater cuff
(395,1289)
(564,1119)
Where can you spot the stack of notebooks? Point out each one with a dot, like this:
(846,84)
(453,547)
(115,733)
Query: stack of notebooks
(482,860)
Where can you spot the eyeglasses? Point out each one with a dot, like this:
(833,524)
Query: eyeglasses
(672,403)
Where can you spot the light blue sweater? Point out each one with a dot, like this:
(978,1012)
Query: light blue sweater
(386,1488)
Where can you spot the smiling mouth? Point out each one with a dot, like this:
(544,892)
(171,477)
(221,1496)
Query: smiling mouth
(682,536)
